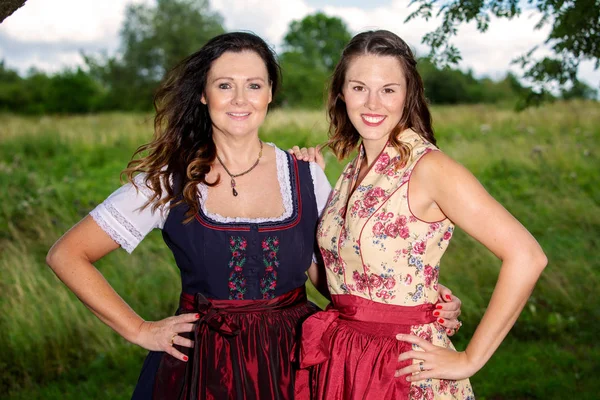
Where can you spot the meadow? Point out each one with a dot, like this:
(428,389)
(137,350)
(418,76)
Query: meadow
(542,164)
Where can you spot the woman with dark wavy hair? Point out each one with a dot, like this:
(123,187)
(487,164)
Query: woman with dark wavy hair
(382,234)
(239,216)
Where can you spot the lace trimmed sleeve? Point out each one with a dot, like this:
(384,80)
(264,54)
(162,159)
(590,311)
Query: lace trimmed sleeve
(122,218)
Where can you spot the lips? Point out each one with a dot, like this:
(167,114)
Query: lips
(373,119)
(238,115)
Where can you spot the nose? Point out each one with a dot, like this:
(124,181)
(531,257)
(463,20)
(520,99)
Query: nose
(372,100)
(239,97)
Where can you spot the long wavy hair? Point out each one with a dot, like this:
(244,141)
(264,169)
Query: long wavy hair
(343,136)
(183,145)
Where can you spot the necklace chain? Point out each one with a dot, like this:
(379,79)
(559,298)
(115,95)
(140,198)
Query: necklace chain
(233,176)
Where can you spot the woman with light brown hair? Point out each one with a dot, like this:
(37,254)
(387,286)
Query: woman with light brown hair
(382,235)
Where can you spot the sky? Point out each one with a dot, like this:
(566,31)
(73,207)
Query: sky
(51,34)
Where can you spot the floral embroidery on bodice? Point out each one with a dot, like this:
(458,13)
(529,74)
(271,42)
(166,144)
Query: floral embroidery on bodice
(372,245)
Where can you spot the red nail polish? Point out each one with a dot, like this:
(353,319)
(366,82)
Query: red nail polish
(439,306)
(197,315)
(436,313)
(441,320)
(449,297)
(185,358)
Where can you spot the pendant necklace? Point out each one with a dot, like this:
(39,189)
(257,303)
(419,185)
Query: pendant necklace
(233,176)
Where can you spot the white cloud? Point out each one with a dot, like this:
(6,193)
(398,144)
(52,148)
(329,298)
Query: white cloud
(66,20)
(269,19)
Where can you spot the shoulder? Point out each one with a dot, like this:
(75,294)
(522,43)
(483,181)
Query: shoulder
(437,171)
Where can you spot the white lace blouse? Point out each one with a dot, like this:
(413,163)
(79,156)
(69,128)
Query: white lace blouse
(122,219)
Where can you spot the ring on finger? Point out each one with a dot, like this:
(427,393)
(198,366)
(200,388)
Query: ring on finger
(173,338)
(421,366)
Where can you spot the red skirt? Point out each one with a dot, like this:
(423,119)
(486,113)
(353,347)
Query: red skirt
(244,349)
(350,351)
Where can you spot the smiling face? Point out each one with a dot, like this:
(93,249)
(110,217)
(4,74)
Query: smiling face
(237,93)
(374,92)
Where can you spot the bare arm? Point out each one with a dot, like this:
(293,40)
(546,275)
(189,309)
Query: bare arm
(72,257)
(457,193)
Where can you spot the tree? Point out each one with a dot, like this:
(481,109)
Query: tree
(7,7)
(575,29)
(153,40)
(311,49)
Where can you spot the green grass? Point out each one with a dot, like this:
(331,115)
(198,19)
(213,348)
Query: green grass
(540,164)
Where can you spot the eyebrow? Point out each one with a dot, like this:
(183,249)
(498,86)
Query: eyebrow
(256,78)
(364,84)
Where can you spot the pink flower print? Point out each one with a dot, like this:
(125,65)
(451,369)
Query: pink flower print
(408,279)
(401,220)
(342,212)
(416,393)
(237,268)
(435,226)
(447,235)
(444,385)
(389,282)
(378,229)
(391,230)
(419,247)
(243,245)
(269,268)
(231,285)
(376,281)
(235,254)
(412,219)
(429,393)
(276,242)
(404,232)
(356,206)
(426,334)
(361,281)
(265,245)
(385,216)
(430,275)
(376,192)
(370,201)
(382,162)
(453,388)
(231,241)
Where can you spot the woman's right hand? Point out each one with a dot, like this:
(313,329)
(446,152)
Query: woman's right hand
(164,334)
(310,154)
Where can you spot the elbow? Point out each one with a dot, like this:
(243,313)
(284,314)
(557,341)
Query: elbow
(53,256)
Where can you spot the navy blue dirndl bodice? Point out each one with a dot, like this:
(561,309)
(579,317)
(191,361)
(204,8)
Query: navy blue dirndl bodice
(249,261)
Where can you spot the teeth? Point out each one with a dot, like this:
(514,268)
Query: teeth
(239,114)
(373,120)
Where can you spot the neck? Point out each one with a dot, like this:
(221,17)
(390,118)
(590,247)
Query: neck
(373,148)
(237,152)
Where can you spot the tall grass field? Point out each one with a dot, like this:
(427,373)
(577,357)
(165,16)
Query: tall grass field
(541,164)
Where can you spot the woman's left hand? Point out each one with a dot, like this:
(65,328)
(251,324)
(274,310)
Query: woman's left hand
(447,310)
(311,154)
(434,361)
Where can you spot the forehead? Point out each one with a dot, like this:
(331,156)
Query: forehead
(241,64)
(375,69)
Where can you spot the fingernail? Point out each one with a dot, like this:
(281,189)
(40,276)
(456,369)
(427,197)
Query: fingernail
(439,306)
(197,315)
(441,320)
(185,358)
(436,313)
(408,378)
(449,297)
(399,336)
